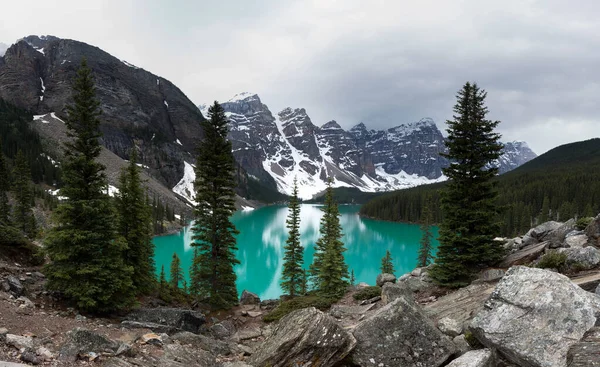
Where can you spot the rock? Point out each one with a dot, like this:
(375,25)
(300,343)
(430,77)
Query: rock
(582,258)
(414,284)
(586,352)
(362,285)
(461,343)
(180,319)
(3,332)
(527,240)
(491,275)
(29,356)
(269,304)
(400,334)
(417,271)
(223,330)
(524,255)
(534,316)
(157,328)
(450,327)
(254,313)
(371,300)
(579,240)
(150,338)
(86,343)
(10,364)
(249,298)
(19,341)
(305,337)
(343,311)
(385,278)
(391,291)
(474,358)
(45,354)
(236,364)
(543,229)
(593,231)
(15,285)
(211,345)
(247,333)
(557,236)
(180,355)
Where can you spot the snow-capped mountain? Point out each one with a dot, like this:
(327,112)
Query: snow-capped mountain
(3,48)
(276,148)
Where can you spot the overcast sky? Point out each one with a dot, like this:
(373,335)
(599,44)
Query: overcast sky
(380,62)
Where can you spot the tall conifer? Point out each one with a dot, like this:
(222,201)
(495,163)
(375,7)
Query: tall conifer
(86,254)
(294,252)
(135,226)
(4,188)
(469,199)
(425,246)
(176,272)
(23,214)
(214,233)
(387,267)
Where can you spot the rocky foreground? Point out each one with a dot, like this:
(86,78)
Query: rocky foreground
(518,315)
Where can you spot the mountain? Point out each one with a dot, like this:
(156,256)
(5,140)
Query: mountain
(566,177)
(276,148)
(3,48)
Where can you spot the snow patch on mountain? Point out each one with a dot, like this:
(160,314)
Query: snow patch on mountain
(185,187)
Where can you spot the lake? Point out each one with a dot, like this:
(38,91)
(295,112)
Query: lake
(263,234)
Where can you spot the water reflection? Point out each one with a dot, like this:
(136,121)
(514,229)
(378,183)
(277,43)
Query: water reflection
(262,238)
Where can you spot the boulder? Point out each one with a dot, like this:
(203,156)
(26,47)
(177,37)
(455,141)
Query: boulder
(391,291)
(171,318)
(527,241)
(543,229)
(582,258)
(15,285)
(305,337)
(400,334)
(474,358)
(557,236)
(249,298)
(85,342)
(385,278)
(177,355)
(415,284)
(491,275)
(524,255)
(593,231)
(157,328)
(29,356)
(586,352)
(462,344)
(579,240)
(450,326)
(362,285)
(211,345)
(534,316)
(3,332)
(19,341)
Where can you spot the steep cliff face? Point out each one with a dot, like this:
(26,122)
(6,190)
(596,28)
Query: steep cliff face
(278,148)
(36,73)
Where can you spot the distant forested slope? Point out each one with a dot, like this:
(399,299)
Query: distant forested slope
(560,184)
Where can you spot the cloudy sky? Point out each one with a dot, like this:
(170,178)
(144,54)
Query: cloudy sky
(380,62)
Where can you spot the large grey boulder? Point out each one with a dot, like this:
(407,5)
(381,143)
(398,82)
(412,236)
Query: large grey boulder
(81,341)
(534,316)
(543,229)
(579,240)
(474,358)
(450,326)
(582,258)
(400,334)
(168,320)
(385,278)
(15,285)
(305,337)
(558,235)
(593,231)
(391,291)
(249,298)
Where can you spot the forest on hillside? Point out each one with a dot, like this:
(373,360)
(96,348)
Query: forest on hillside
(561,184)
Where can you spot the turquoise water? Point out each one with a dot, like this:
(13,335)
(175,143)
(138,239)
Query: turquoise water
(263,234)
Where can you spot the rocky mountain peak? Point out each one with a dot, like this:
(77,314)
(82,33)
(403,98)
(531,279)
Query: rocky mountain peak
(3,48)
(331,125)
(246,103)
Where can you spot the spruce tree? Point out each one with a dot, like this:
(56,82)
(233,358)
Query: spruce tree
(469,198)
(425,248)
(214,233)
(86,254)
(23,217)
(387,267)
(176,272)
(135,226)
(329,269)
(4,188)
(304,283)
(545,211)
(294,252)
(352,278)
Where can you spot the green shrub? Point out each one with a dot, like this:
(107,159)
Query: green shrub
(367,293)
(472,340)
(553,260)
(284,308)
(582,223)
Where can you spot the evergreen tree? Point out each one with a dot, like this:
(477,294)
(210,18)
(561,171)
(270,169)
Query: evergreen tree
(4,188)
(545,211)
(135,226)
(304,283)
(329,268)
(294,252)
(194,274)
(386,263)
(352,278)
(176,272)
(425,247)
(86,254)
(214,234)
(469,205)
(23,215)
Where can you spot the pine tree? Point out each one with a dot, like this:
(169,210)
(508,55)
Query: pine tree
(469,199)
(294,252)
(425,248)
(214,234)
(4,188)
(23,215)
(545,211)
(176,272)
(329,267)
(135,226)
(194,274)
(86,254)
(387,267)
(162,279)
(352,278)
